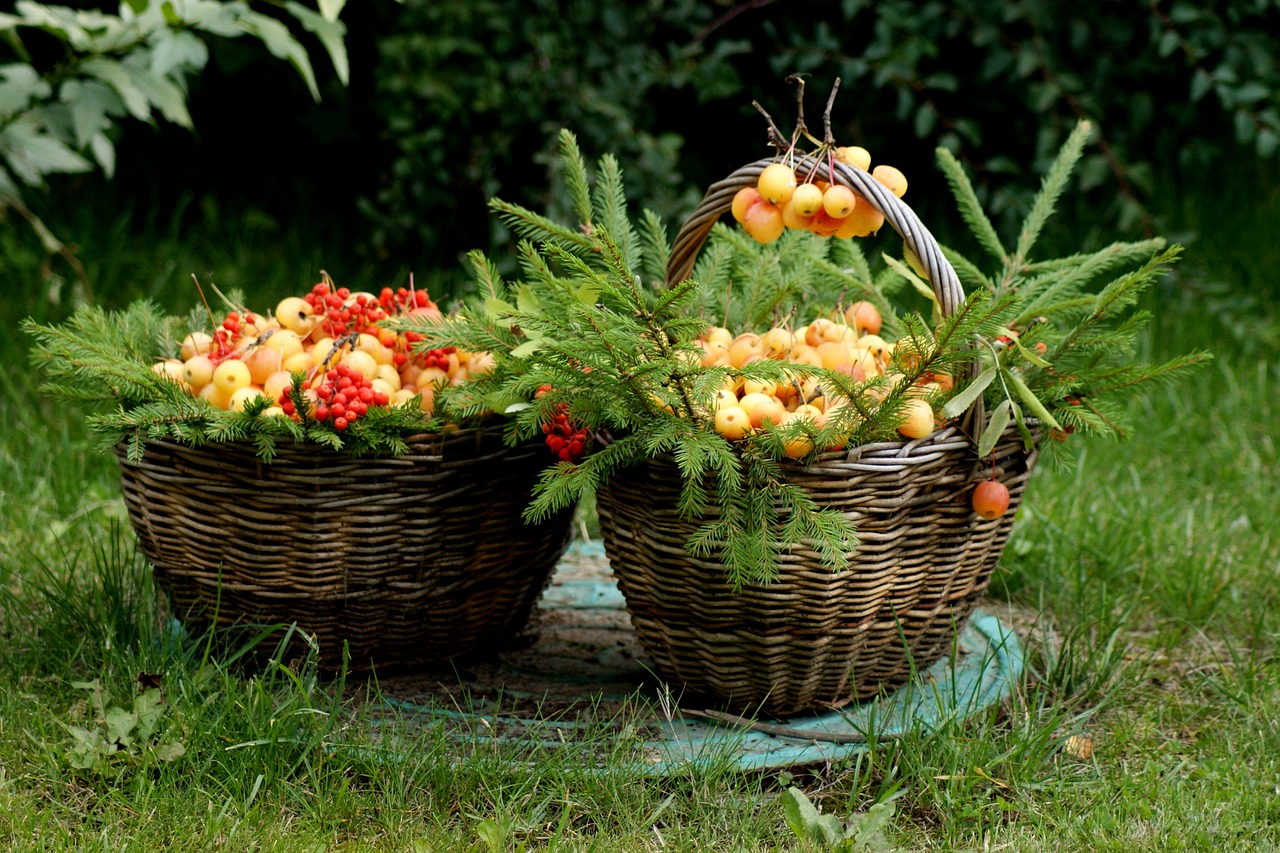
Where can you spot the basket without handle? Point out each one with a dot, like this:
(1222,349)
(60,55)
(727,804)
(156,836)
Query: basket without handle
(410,560)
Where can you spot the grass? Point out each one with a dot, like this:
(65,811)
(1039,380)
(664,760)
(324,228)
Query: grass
(1146,582)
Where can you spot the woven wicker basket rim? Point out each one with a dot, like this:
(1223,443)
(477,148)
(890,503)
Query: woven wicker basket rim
(436,441)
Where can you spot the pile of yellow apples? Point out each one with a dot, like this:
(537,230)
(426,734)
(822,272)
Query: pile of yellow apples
(850,345)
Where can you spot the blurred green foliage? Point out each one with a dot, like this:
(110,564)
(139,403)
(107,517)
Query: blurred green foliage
(471,94)
(451,103)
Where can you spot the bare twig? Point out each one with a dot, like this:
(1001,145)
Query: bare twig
(829,138)
(776,137)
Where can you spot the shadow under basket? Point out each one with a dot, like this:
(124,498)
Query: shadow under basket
(813,638)
(411,561)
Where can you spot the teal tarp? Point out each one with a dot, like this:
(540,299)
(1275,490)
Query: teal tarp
(582,653)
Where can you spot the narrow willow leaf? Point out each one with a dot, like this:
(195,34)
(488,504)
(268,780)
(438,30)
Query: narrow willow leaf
(526,349)
(1030,399)
(995,428)
(961,402)
(1028,354)
(526,301)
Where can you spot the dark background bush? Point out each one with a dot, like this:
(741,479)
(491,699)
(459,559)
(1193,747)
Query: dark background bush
(453,102)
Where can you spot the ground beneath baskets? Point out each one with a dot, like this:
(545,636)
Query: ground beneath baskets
(577,679)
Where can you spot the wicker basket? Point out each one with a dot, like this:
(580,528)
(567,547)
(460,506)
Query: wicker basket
(815,639)
(411,561)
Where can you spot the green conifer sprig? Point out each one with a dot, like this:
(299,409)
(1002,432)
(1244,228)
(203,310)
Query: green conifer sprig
(1072,338)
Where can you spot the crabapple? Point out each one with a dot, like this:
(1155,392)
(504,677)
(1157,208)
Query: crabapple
(892,178)
(917,419)
(732,422)
(991,499)
(806,200)
(838,201)
(776,183)
(865,317)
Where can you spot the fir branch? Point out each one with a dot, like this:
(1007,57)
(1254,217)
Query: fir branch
(969,207)
(848,256)
(971,276)
(611,210)
(655,250)
(1051,187)
(1053,291)
(1122,293)
(574,170)
(486,274)
(533,226)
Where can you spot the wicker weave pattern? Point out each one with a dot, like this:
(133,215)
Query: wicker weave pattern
(815,638)
(412,560)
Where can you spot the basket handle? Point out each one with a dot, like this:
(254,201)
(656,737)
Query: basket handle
(719,200)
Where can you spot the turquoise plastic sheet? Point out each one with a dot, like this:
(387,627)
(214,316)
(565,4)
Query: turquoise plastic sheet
(581,659)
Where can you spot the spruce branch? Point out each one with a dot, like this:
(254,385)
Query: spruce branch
(970,208)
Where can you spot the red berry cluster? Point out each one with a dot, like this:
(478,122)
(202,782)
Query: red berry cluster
(438,358)
(341,313)
(564,439)
(227,334)
(402,299)
(345,395)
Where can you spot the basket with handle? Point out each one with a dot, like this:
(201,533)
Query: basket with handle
(409,560)
(813,638)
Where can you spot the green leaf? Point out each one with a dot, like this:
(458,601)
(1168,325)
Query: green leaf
(149,708)
(281,43)
(1201,84)
(331,9)
(921,286)
(120,725)
(177,51)
(84,752)
(1029,398)
(104,152)
(1028,354)
(219,19)
(995,428)
(20,84)
(162,92)
(122,80)
(800,814)
(92,104)
(170,751)
(9,192)
(526,301)
(960,403)
(331,32)
(526,349)
(32,153)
